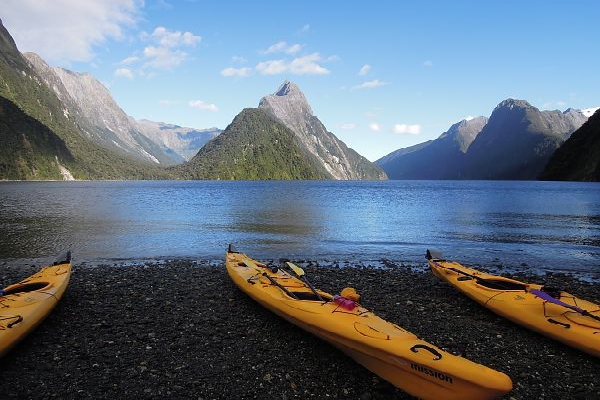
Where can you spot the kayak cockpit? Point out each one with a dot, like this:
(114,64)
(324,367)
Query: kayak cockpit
(24,288)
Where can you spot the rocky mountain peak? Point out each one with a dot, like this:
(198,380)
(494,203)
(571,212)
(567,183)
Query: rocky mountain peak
(464,132)
(289,105)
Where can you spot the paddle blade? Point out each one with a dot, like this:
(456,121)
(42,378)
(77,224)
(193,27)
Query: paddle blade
(297,270)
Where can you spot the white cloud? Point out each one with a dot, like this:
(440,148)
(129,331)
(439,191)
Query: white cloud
(348,126)
(163,53)
(305,28)
(169,39)
(238,60)
(169,103)
(364,70)
(241,72)
(375,127)
(129,60)
(63,31)
(282,47)
(428,63)
(124,73)
(407,129)
(203,106)
(163,57)
(370,84)
(272,67)
(306,65)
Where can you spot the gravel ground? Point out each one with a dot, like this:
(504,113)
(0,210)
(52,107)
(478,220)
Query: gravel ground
(181,329)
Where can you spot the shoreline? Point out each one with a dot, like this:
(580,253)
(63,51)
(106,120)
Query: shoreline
(182,329)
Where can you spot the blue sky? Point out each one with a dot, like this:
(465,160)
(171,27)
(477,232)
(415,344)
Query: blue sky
(381,75)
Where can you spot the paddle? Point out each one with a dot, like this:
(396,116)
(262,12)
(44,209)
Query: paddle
(490,283)
(300,272)
(547,297)
(273,281)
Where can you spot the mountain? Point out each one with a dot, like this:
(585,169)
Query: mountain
(97,114)
(289,105)
(514,143)
(44,138)
(578,159)
(518,140)
(255,146)
(182,143)
(442,158)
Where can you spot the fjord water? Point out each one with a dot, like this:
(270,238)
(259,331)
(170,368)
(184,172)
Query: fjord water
(535,225)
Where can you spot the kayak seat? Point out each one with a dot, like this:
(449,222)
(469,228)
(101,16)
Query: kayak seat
(501,284)
(310,296)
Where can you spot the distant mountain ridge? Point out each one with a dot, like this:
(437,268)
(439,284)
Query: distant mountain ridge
(442,158)
(102,120)
(514,143)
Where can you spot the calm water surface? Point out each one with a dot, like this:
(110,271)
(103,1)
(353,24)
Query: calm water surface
(538,225)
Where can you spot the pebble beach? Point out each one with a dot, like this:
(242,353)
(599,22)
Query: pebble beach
(181,329)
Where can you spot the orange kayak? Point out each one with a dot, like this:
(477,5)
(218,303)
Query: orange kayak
(25,304)
(551,312)
(398,356)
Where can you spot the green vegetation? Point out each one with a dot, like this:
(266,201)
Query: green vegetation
(36,131)
(578,159)
(254,146)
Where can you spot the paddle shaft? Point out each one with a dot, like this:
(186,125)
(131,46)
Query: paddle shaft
(550,299)
(274,282)
(300,272)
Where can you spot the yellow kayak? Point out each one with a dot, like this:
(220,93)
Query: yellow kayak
(552,312)
(398,356)
(25,304)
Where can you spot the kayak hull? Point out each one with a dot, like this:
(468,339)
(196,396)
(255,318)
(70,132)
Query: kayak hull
(398,356)
(24,305)
(527,304)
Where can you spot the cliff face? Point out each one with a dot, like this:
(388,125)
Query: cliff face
(578,159)
(289,105)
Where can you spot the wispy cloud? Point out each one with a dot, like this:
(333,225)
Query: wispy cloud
(36,26)
(203,106)
(369,84)
(364,70)
(124,73)
(375,127)
(347,127)
(306,65)
(239,72)
(164,52)
(428,63)
(407,129)
(305,28)
(283,47)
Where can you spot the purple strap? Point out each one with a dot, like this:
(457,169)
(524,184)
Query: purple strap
(547,297)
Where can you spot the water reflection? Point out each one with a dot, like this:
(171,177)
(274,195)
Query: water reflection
(539,223)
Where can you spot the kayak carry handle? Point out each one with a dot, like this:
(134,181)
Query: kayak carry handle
(553,321)
(19,320)
(416,347)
